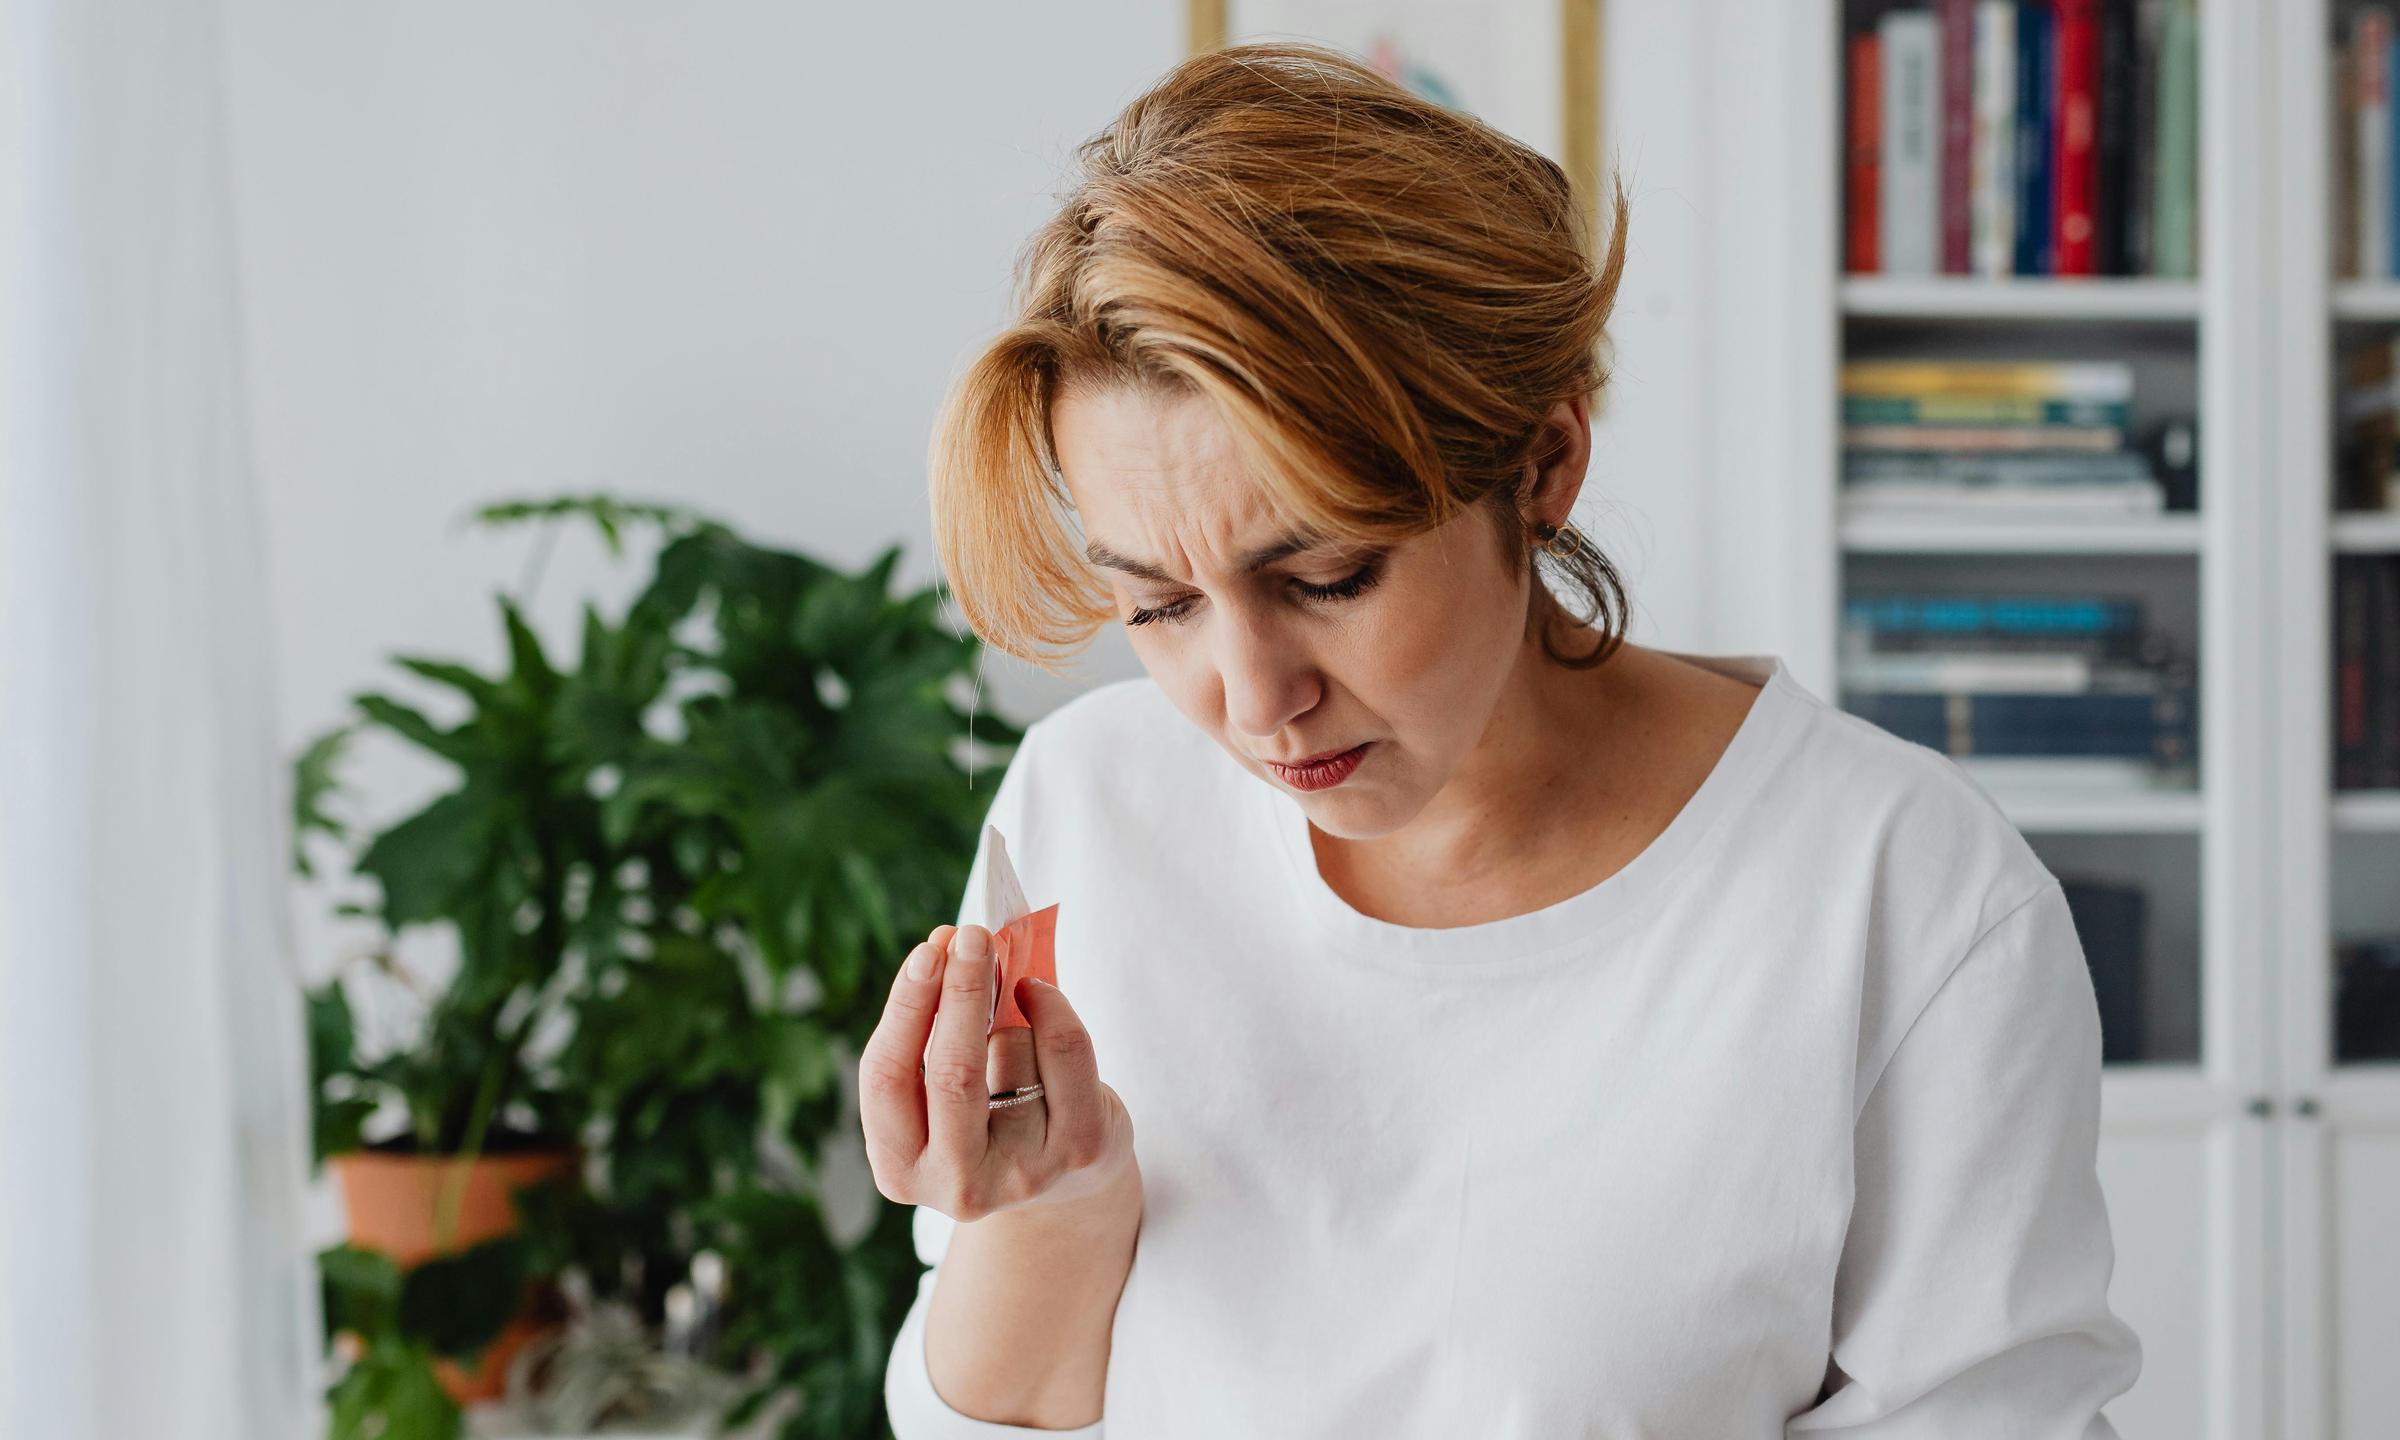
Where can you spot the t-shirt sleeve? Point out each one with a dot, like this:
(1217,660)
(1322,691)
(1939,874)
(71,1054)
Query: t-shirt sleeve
(916,1410)
(1971,1299)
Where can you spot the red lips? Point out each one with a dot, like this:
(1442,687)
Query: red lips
(1320,772)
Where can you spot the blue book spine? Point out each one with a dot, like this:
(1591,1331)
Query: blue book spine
(2036,104)
(2119,726)
(1996,615)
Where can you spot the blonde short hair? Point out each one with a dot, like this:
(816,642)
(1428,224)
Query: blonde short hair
(1382,297)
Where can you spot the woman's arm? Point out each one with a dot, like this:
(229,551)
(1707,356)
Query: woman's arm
(1017,1330)
(1972,1296)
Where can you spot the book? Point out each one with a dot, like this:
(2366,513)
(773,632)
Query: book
(1983,437)
(1873,408)
(2113,140)
(2353,601)
(1992,186)
(2370,47)
(2155,727)
(2072,168)
(2020,616)
(2343,229)
(1865,151)
(1936,671)
(2111,628)
(1909,207)
(1935,499)
(2366,1000)
(1997,467)
(2383,676)
(2141,168)
(2175,239)
(2036,117)
(2096,380)
(1956,19)
(2110,925)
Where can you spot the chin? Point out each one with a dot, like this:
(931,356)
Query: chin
(1357,816)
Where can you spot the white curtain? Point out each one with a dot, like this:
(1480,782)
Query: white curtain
(154,1279)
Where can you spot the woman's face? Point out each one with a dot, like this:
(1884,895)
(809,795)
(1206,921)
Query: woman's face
(1287,654)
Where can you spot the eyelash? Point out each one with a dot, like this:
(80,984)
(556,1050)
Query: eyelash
(1346,588)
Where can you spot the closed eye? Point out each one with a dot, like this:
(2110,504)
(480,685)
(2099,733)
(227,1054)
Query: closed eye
(1348,587)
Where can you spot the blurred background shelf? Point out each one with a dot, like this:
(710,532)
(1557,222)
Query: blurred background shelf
(2366,301)
(1972,297)
(2098,810)
(2368,812)
(2367,534)
(1887,534)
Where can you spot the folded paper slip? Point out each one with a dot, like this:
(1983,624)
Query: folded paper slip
(1025,938)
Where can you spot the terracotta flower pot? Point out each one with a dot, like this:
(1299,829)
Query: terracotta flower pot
(395,1207)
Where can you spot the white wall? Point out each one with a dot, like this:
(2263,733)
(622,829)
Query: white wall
(725,254)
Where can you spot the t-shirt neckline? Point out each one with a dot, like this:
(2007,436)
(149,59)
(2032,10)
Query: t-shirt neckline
(1614,901)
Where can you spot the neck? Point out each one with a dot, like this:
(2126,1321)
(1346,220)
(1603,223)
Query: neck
(1526,787)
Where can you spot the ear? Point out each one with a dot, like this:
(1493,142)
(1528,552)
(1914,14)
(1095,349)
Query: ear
(1562,450)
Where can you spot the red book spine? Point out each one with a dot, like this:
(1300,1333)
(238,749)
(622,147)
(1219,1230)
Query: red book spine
(1958,135)
(2075,167)
(1866,152)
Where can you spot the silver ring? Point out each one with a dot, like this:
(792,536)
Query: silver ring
(1005,1098)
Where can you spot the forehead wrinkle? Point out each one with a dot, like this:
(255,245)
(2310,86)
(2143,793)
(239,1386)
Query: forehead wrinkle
(1247,561)
(1180,480)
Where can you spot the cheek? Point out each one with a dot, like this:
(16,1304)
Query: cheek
(1440,641)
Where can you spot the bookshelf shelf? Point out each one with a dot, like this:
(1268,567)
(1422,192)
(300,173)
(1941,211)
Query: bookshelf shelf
(2367,811)
(2366,301)
(1864,534)
(2101,812)
(2097,299)
(2366,534)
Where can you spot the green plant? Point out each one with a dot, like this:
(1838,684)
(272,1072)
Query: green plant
(679,874)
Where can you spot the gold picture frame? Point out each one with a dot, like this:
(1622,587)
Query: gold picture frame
(1579,60)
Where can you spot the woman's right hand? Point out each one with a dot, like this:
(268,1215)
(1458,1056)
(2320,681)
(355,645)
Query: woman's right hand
(928,1072)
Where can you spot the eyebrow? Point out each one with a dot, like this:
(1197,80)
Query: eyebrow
(1099,553)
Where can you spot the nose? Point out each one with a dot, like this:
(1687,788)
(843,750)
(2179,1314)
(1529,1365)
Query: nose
(1268,676)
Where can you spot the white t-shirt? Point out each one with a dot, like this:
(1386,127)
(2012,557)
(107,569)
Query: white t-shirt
(1815,1077)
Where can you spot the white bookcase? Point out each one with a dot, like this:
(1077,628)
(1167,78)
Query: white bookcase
(2254,1185)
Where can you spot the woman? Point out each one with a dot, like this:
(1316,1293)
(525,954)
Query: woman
(1469,1023)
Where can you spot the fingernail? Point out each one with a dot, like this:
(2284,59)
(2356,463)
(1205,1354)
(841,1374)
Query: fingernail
(973,946)
(920,961)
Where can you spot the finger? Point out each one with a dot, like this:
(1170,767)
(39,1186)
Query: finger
(1011,1063)
(957,1097)
(1070,1074)
(891,1092)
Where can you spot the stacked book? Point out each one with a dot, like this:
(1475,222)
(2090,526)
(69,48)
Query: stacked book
(2035,689)
(2366,672)
(2368,441)
(2025,438)
(2025,137)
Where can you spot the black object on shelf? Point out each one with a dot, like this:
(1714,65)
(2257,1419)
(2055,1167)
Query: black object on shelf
(2366,1000)
(2110,921)
(2172,446)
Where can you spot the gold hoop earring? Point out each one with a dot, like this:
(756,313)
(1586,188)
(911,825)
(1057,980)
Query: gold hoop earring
(1561,542)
